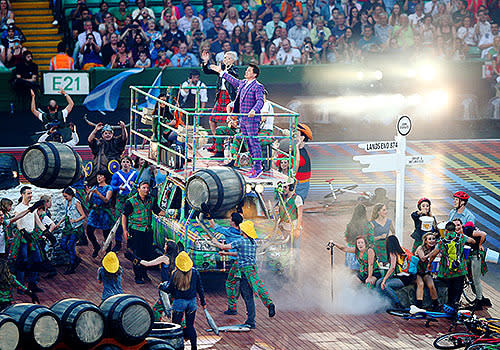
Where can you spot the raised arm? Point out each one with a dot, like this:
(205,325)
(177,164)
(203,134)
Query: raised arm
(71,104)
(33,105)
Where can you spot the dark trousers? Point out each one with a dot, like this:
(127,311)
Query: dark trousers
(92,238)
(189,331)
(247,294)
(141,244)
(455,288)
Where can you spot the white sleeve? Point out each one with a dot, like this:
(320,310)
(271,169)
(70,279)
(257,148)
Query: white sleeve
(74,140)
(203,93)
(46,221)
(298,201)
(65,114)
(43,137)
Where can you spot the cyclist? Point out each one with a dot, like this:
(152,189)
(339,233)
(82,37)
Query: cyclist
(459,211)
(369,270)
(424,272)
(452,268)
(475,260)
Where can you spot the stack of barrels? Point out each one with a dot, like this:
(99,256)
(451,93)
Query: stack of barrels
(122,321)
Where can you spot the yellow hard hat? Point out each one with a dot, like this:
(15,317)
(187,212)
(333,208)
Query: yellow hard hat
(183,262)
(248,228)
(111,262)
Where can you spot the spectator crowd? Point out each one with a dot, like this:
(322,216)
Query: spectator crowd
(293,32)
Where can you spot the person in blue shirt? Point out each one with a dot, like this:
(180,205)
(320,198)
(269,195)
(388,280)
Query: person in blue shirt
(231,233)
(110,275)
(123,182)
(266,11)
(459,211)
(184,58)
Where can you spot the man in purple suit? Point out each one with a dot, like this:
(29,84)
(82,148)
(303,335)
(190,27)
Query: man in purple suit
(249,100)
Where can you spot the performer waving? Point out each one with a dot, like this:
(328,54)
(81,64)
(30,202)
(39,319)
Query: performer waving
(249,100)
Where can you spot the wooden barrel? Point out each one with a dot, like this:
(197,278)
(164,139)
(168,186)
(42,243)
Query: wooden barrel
(159,344)
(9,333)
(170,332)
(222,188)
(128,318)
(51,165)
(9,169)
(39,326)
(82,322)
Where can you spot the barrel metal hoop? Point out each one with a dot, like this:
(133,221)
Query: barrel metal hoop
(240,179)
(42,149)
(72,308)
(78,169)
(220,188)
(57,160)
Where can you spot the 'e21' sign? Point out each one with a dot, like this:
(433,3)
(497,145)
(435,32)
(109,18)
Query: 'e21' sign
(72,83)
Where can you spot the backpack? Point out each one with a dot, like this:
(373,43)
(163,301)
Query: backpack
(407,262)
(453,253)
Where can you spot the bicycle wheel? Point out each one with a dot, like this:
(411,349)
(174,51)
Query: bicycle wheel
(454,340)
(468,292)
(483,346)
(399,312)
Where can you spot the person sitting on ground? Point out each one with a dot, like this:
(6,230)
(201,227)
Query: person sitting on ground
(395,277)
(453,265)
(424,209)
(424,272)
(369,270)
(54,117)
(357,226)
(185,284)
(475,262)
(110,275)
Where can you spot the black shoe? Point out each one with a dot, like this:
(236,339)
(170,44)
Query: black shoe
(70,270)
(230,312)
(218,155)
(77,262)
(139,281)
(96,251)
(250,325)
(272,310)
(485,302)
(34,288)
(117,247)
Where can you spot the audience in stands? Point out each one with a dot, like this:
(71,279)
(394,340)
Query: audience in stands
(301,32)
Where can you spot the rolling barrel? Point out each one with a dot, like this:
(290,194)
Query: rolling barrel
(9,333)
(39,326)
(82,322)
(51,165)
(128,318)
(171,333)
(159,344)
(222,188)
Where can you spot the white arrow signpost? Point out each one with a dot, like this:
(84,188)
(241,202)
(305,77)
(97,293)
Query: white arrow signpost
(393,162)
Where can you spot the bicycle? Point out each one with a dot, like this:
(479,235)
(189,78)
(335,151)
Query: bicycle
(331,197)
(415,313)
(483,346)
(480,332)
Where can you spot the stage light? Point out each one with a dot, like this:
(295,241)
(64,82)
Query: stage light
(259,188)
(411,73)
(437,98)
(427,72)
(378,75)
(360,75)
(14,174)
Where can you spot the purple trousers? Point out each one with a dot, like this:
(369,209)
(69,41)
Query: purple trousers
(250,127)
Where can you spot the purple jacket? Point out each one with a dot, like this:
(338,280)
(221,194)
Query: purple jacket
(251,96)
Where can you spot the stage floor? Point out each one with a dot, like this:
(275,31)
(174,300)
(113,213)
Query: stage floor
(306,318)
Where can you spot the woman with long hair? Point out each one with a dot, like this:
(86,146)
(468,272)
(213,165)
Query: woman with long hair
(184,285)
(5,14)
(232,20)
(238,39)
(73,219)
(395,14)
(268,54)
(447,30)
(258,37)
(122,58)
(424,276)
(100,216)
(394,278)
(369,270)
(357,226)
(382,228)
(353,17)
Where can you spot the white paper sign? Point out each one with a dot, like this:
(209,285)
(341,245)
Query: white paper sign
(379,146)
(72,83)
